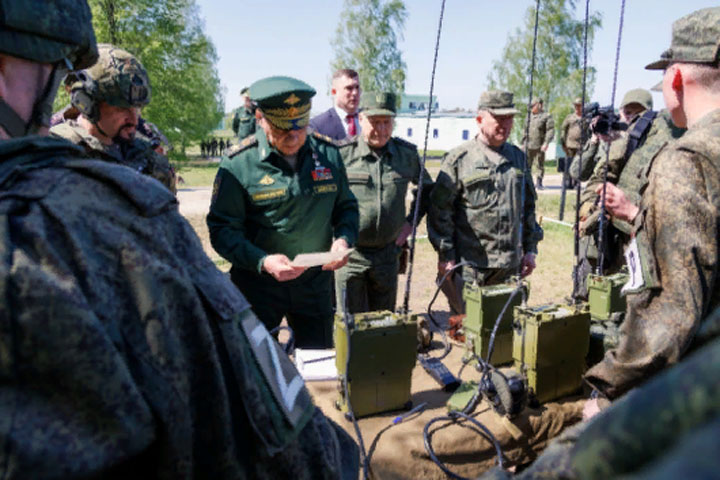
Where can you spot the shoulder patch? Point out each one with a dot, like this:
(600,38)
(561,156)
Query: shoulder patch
(322,137)
(244,144)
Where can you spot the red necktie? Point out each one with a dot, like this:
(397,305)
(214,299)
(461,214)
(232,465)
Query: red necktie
(352,129)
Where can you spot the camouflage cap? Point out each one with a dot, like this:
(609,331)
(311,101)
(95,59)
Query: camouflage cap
(497,102)
(695,39)
(119,77)
(48,31)
(284,101)
(536,100)
(378,103)
(638,95)
(577,101)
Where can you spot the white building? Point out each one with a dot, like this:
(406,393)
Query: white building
(447,130)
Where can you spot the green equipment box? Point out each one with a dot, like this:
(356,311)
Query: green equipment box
(604,295)
(550,343)
(383,350)
(483,305)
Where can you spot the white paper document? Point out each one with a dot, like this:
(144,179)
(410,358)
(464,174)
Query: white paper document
(315,365)
(319,258)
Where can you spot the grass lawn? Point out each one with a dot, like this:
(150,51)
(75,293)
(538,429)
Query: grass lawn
(196,174)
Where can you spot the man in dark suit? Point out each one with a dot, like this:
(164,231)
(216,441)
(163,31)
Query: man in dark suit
(341,121)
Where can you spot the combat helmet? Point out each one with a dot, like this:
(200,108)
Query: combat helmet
(56,32)
(118,78)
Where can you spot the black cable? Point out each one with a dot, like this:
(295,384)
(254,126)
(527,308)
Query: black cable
(578,187)
(527,138)
(453,417)
(418,197)
(346,392)
(602,231)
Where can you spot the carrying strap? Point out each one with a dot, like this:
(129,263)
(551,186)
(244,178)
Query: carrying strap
(639,132)
(13,124)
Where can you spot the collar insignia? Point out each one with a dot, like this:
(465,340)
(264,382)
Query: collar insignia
(266,180)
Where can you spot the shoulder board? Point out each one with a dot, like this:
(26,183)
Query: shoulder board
(401,142)
(345,141)
(324,138)
(244,144)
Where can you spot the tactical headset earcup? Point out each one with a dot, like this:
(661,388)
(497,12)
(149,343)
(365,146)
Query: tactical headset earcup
(82,97)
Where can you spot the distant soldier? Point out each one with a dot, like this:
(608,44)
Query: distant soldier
(109,96)
(244,119)
(476,211)
(674,253)
(572,131)
(203,148)
(379,169)
(214,147)
(282,193)
(541,133)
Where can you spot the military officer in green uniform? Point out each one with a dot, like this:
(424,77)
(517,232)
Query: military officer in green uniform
(280,193)
(110,96)
(243,123)
(126,353)
(540,134)
(572,130)
(477,209)
(379,169)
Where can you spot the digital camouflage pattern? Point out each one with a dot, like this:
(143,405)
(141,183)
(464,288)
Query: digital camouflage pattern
(571,132)
(591,154)
(666,429)
(677,237)
(476,209)
(63,30)
(136,154)
(540,134)
(379,181)
(126,353)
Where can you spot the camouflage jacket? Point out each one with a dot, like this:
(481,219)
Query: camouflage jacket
(380,184)
(676,261)
(541,131)
(572,131)
(628,173)
(476,206)
(126,353)
(666,429)
(137,155)
(583,165)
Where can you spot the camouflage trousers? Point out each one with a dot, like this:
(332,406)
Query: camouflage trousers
(537,157)
(369,279)
(453,286)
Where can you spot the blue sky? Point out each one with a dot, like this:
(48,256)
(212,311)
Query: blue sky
(257,38)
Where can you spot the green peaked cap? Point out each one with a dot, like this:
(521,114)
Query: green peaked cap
(284,101)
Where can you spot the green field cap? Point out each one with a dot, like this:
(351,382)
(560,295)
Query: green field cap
(695,39)
(378,103)
(497,102)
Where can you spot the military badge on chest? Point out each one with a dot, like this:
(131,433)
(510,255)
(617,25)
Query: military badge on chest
(321,173)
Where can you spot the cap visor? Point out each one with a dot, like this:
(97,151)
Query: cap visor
(658,65)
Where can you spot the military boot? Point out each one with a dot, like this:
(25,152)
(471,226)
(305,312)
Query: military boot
(538,183)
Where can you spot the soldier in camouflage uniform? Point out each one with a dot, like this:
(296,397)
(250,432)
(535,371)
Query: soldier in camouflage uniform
(109,96)
(126,353)
(476,207)
(281,193)
(572,130)
(379,168)
(655,432)
(243,123)
(540,134)
(675,249)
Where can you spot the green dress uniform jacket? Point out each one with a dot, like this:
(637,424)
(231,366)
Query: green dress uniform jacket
(675,262)
(137,154)
(476,207)
(261,206)
(126,353)
(244,123)
(379,181)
